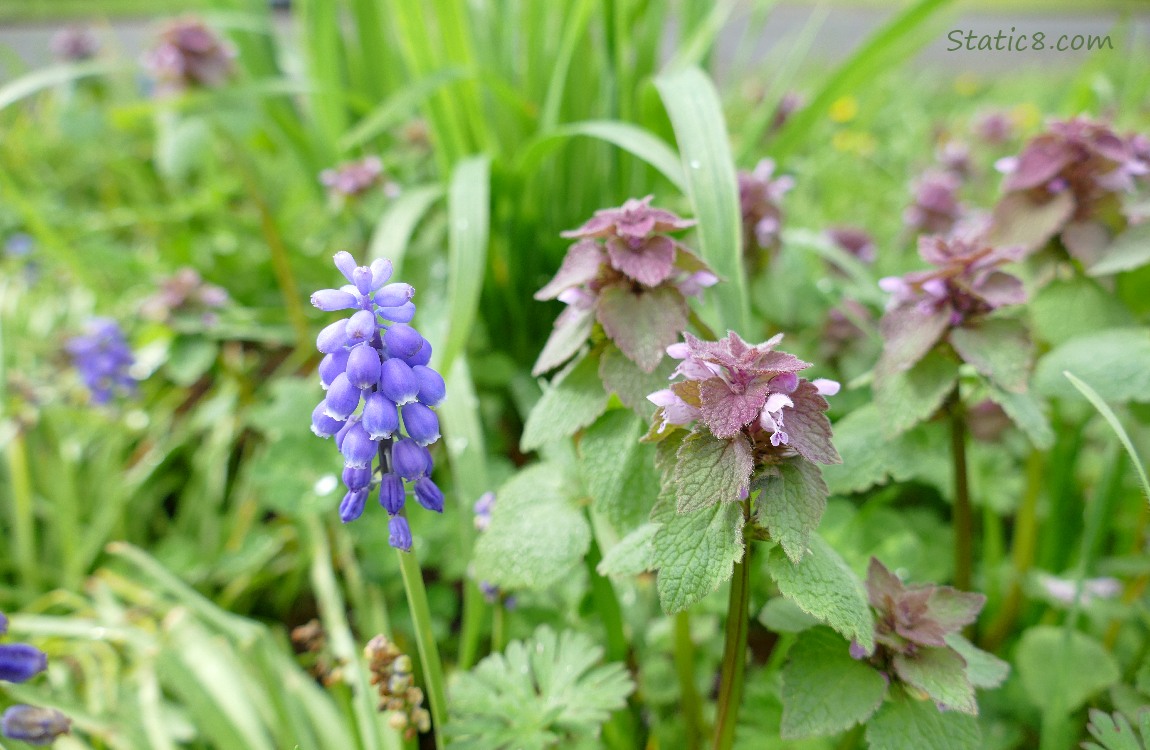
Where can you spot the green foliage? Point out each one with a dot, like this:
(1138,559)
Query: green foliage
(619,471)
(790,504)
(574,400)
(537,533)
(1112,732)
(906,398)
(825,691)
(1115,363)
(710,470)
(694,552)
(825,587)
(905,723)
(941,674)
(999,348)
(545,692)
(1061,669)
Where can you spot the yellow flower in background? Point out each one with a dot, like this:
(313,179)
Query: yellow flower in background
(967,84)
(844,109)
(856,142)
(1026,116)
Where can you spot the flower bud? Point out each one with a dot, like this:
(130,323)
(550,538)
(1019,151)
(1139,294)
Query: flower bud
(391,493)
(361,326)
(421,357)
(323,425)
(34,725)
(432,389)
(380,417)
(342,398)
(357,479)
(346,265)
(363,366)
(20,662)
(394,295)
(421,423)
(330,300)
(358,448)
(398,382)
(380,272)
(399,533)
(409,459)
(361,277)
(331,366)
(402,340)
(401,314)
(428,494)
(339,436)
(332,338)
(785,382)
(352,506)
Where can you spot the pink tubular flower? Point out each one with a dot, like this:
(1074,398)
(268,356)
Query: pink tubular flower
(936,208)
(189,55)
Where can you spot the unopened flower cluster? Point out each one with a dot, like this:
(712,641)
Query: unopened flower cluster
(915,628)
(20,662)
(74,44)
(624,267)
(398,695)
(103,359)
(354,178)
(189,55)
(735,388)
(376,361)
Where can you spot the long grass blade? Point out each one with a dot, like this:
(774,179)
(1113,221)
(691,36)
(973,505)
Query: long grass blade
(393,232)
(469,216)
(1115,425)
(631,138)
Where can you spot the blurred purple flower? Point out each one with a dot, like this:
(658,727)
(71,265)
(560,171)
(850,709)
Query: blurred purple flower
(855,241)
(760,202)
(34,725)
(994,127)
(936,208)
(189,55)
(102,357)
(185,294)
(353,178)
(74,44)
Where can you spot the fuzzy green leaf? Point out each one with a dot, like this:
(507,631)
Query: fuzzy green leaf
(1027,413)
(983,669)
(791,504)
(1116,363)
(869,457)
(573,401)
(1061,670)
(825,691)
(632,555)
(537,532)
(695,552)
(561,698)
(623,377)
(908,724)
(1094,308)
(1128,251)
(909,397)
(618,470)
(999,348)
(941,674)
(709,470)
(825,587)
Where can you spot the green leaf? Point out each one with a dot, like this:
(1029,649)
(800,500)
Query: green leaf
(633,554)
(46,78)
(791,504)
(1027,413)
(825,587)
(709,470)
(983,669)
(1115,363)
(619,471)
(1022,220)
(697,117)
(906,398)
(695,552)
(1095,309)
(1062,669)
(180,145)
(542,693)
(537,532)
(574,400)
(468,214)
(941,674)
(908,724)
(189,357)
(1128,251)
(642,143)
(1115,425)
(623,377)
(398,107)
(781,615)
(1112,731)
(642,324)
(393,231)
(998,348)
(825,691)
(869,457)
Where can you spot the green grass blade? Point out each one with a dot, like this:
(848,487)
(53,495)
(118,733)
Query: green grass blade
(696,47)
(870,59)
(400,105)
(46,78)
(393,232)
(697,117)
(631,138)
(469,216)
(573,30)
(1112,419)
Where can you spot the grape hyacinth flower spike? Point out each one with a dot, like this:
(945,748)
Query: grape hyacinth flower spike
(380,395)
(103,359)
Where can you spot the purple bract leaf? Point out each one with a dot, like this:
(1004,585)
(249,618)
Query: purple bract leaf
(580,266)
(808,426)
(727,409)
(650,261)
(642,324)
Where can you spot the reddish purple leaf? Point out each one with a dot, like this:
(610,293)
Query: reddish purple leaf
(650,263)
(908,333)
(727,410)
(642,324)
(808,426)
(580,265)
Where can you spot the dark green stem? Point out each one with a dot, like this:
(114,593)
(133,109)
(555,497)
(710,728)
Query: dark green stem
(425,640)
(734,652)
(963,513)
(689,702)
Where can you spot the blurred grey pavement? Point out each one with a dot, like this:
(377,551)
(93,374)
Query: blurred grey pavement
(834,33)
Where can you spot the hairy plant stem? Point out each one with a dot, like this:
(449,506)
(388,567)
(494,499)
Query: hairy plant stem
(734,651)
(689,701)
(425,641)
(963,513)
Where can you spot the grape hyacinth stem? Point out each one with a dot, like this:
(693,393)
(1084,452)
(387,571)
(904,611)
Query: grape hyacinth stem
(425,641)
(734,651)
(963,513)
